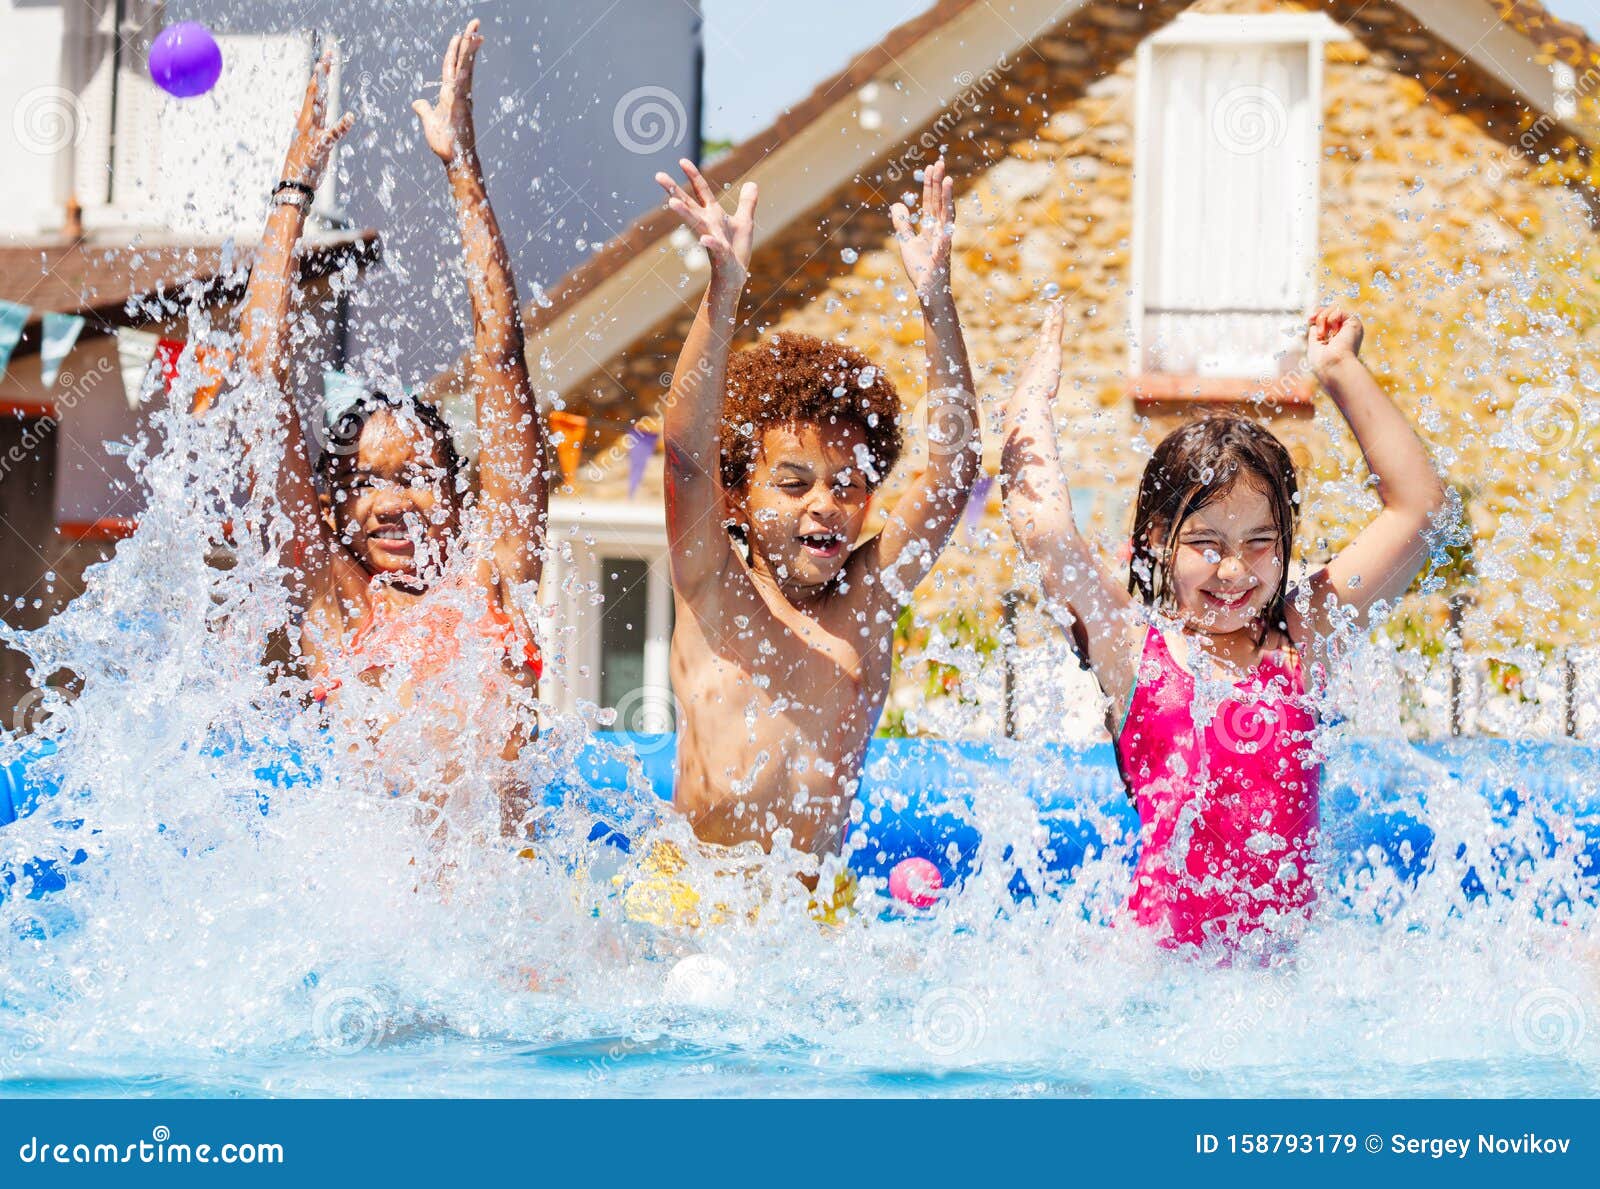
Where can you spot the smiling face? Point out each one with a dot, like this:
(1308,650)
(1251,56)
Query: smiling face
(805,500)
(1227,563)
(392,501)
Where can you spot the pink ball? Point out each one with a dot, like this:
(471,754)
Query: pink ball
(915,881)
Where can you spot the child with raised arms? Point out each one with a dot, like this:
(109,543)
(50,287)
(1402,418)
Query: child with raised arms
(1203,653)
(392,585)
(782,647)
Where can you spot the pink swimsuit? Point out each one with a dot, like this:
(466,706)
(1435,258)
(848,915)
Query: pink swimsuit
(1228,812)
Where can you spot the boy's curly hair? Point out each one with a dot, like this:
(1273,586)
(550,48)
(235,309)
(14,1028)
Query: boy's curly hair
(794,379)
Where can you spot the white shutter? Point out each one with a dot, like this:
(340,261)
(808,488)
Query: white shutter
(1228,154)
(205,166)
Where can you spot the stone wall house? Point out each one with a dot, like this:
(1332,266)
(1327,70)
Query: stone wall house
(1191,178)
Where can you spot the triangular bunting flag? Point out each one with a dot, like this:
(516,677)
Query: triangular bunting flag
(339,394)
(978,501)
(641,445)
(569,449)
(135,350)
(168,352)
(212,364)
(58,334)
(460,413)
(13,318)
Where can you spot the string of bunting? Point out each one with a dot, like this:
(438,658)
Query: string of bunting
(57,335)
(568,431)
(137,350)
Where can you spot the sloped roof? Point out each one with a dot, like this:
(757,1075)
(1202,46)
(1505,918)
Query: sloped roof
(656,224)
(112,284)
(1553,40)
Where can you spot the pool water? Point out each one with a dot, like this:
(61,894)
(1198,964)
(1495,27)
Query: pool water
(351,941)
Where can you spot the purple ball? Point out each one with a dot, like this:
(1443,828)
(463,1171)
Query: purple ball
(185,60)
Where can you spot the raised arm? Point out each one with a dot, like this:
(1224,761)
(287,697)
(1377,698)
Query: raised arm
(1079,591)
(511,470)
(264,324)
(1386,555)
(920,524)
(692,414)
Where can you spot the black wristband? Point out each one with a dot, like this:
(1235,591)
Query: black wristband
(301,187)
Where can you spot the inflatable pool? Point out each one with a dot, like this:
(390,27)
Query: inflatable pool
(921,798)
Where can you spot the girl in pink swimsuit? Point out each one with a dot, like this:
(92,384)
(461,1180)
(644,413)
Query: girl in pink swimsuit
(1200,653)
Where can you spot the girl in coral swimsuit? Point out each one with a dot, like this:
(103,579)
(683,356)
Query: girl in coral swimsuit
(401,569)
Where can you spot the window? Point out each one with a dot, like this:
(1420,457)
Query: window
(205,165)
(201,166)
(627,682)
(608,622)
(1226,194)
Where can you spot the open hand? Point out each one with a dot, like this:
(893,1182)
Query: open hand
(447,122)
(1333,337)
(726,238)
(1044,368)
(925,245)
(313,138)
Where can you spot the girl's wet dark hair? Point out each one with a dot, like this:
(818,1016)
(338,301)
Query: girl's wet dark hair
(1193,467)
(344,434)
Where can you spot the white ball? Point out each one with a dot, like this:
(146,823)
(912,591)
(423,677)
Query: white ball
(700,981)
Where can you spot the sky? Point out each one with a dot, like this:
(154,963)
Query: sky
(763,55)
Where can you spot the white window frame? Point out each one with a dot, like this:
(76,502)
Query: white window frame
(582,534)
(1315,30)
(116,184)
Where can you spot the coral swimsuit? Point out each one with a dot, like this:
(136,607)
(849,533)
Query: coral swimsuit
(1228,806)
(425,638)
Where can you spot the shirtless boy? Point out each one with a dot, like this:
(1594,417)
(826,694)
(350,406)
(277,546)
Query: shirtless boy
(783,640)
